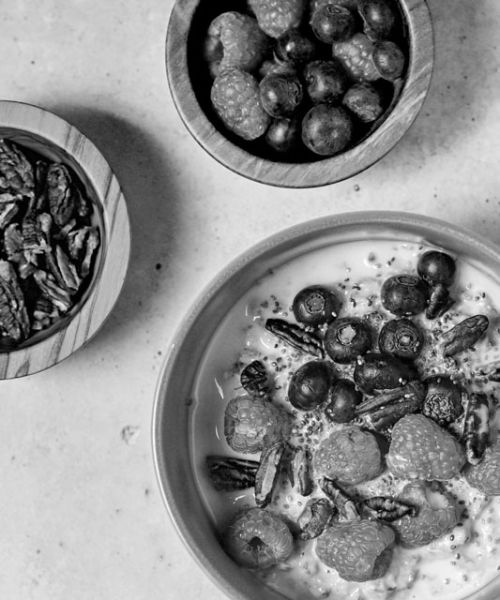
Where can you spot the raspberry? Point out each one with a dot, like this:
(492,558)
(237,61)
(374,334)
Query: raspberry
(420,449)
(436,514)
(358,550)
(235,97)
(258,539)
(486,475)
(275,17)
(356,57)
(349,456)
(443,400)
(237,41)
(250,424)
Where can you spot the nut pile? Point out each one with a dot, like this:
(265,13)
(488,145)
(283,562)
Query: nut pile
(48,243)
(382,415)
(306,77)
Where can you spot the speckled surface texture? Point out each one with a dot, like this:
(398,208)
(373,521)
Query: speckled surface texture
(81,516)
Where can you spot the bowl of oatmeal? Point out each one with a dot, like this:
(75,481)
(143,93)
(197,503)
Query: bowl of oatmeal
(325,425)
(65,239)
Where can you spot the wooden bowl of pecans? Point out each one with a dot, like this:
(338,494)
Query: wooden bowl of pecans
(65,239)
(305,95)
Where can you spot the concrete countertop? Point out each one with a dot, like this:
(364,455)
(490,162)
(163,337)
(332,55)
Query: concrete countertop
(81,515)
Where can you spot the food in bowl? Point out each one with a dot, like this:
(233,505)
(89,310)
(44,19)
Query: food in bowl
(344,431)
(302,80)
(50,239)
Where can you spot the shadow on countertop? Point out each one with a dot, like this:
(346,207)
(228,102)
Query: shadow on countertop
(146,180)
(464,37)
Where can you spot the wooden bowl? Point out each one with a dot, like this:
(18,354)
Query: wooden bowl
(50,136)
(189,21)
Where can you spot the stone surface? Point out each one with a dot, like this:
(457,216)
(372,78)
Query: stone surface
(81,516)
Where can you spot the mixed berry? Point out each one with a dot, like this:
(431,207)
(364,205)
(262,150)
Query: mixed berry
(362,406)
(302,79)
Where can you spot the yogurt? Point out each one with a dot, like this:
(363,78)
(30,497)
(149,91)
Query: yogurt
(450,568)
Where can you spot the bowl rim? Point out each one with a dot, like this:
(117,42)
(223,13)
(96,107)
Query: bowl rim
(277,242)
(324,171)
(42,125)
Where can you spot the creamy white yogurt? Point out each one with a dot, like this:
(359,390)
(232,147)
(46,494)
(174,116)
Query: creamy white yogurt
(450,568)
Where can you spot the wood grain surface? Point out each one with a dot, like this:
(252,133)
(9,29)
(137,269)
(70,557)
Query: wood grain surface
(322,172)
(56,139)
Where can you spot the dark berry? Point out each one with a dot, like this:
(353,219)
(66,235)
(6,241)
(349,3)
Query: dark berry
(280,94)
(326,81)
(376,372)
(315,305)
(283,135)
(402,338)
(443,401)
(309,385)
(436,267)
(342,401)
(364,101)
(347,338)
(404,295)
(333,23)
(389,60)
(378,16)
(326,130)
(295,47)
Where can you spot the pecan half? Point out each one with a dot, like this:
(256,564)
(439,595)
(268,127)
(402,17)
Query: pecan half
(296,336)
(230,474)
(439,303)
(14,321)
(476,427)
(254,379)
(344,504)
(386,508)
(267,474)
(59,194)
(315,517)
(16,174)
(464,335)
(301,467)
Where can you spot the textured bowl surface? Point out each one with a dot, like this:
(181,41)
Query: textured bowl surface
(173,403)
(55,139)
(212,137)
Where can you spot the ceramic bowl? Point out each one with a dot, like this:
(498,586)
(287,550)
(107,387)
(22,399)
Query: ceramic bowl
(190,90)
(173,409)
(46,134)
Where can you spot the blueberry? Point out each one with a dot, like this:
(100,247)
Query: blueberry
(436,267)
(342,401)
(378,16)
(315,305)
(333,23)
(402,338)
(404,295)
(346,339)
(280,94)
(326,81)
(326,130)
(309,385)
(364,101)
(389,60)
(295,47)
(377,372)
(283,135)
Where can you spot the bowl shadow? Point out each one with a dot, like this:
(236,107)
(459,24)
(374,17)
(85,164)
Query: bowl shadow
(454,104)
(147,181)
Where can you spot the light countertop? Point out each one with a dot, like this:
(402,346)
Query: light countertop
(81,516)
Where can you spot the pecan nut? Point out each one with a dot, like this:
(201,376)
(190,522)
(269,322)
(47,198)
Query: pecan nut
(296,336)
(464,335)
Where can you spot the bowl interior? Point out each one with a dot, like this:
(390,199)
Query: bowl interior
(174,400)
(36,145)
(201,82)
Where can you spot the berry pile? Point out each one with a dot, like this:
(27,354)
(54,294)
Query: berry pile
(382,414)
(302,79)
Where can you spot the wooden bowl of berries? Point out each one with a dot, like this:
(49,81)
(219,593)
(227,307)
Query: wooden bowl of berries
(65,239)
(299,93)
